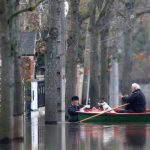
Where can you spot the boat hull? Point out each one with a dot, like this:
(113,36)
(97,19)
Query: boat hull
(117,118)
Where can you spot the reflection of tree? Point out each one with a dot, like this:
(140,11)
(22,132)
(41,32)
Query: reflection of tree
(135,136)
(73,136)
(84,136)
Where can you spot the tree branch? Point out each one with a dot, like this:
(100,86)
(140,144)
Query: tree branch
(142,13)
(29,8)
(122,1)
(121,14)
(84,16)
(104,10)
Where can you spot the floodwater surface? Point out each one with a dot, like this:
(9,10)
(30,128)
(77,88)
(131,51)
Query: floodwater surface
(83,136)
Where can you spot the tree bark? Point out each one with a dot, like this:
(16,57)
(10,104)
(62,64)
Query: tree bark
(6,110)
(18,99)
(94,59)
(114,84)
(61,53)
(104,25)
(104,80)
(72,51)
(52,73)
(127,62)
(86,78)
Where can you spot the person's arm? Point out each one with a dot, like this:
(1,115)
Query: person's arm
(72,110)
(129,99)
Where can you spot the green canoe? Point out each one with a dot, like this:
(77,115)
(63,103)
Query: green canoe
(115,117)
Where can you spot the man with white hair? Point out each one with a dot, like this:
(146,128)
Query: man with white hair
(137,101)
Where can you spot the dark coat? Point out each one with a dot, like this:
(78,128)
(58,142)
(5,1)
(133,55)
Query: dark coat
(73,115)
(137,101)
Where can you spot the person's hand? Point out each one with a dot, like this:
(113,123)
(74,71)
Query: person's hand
(123,96)
(126,95)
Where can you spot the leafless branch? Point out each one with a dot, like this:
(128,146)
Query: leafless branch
(120,14)
(86,15)
(103,10)
(122,1)
(142,13)
(29,8)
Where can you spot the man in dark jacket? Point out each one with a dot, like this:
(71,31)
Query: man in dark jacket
(137,101)
(73,108)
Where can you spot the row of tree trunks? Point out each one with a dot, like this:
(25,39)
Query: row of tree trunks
(104,38)
(100,27)
(12,105)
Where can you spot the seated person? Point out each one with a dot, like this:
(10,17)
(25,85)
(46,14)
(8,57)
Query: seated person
(73,108)
(137,101)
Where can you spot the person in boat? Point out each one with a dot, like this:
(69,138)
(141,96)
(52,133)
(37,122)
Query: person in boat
(73,108)
(137,101)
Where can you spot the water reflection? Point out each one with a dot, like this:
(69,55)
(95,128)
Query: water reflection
(5,147)
(112,137)
(85,136)
(18,145)
(135,136)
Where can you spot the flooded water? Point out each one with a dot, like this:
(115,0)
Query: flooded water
(84,136)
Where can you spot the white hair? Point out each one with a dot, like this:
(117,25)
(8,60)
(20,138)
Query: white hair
(136,86)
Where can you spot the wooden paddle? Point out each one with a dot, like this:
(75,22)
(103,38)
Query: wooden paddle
(103,112)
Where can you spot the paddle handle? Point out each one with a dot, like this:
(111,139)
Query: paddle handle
(103,112)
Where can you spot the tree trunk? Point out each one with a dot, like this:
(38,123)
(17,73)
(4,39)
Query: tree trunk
(18,87)
(127,62)
(86,78)
(114,84)
(72,51)
(18,100)
(94,80)
(103,26)
(52,73)
(61,53)
(104,80)
(94,62)
(6,110)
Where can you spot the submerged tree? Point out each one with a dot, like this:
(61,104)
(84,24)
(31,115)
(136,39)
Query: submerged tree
(94,57)
(54,60)
(9,57)
(72,50)
(7,74)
